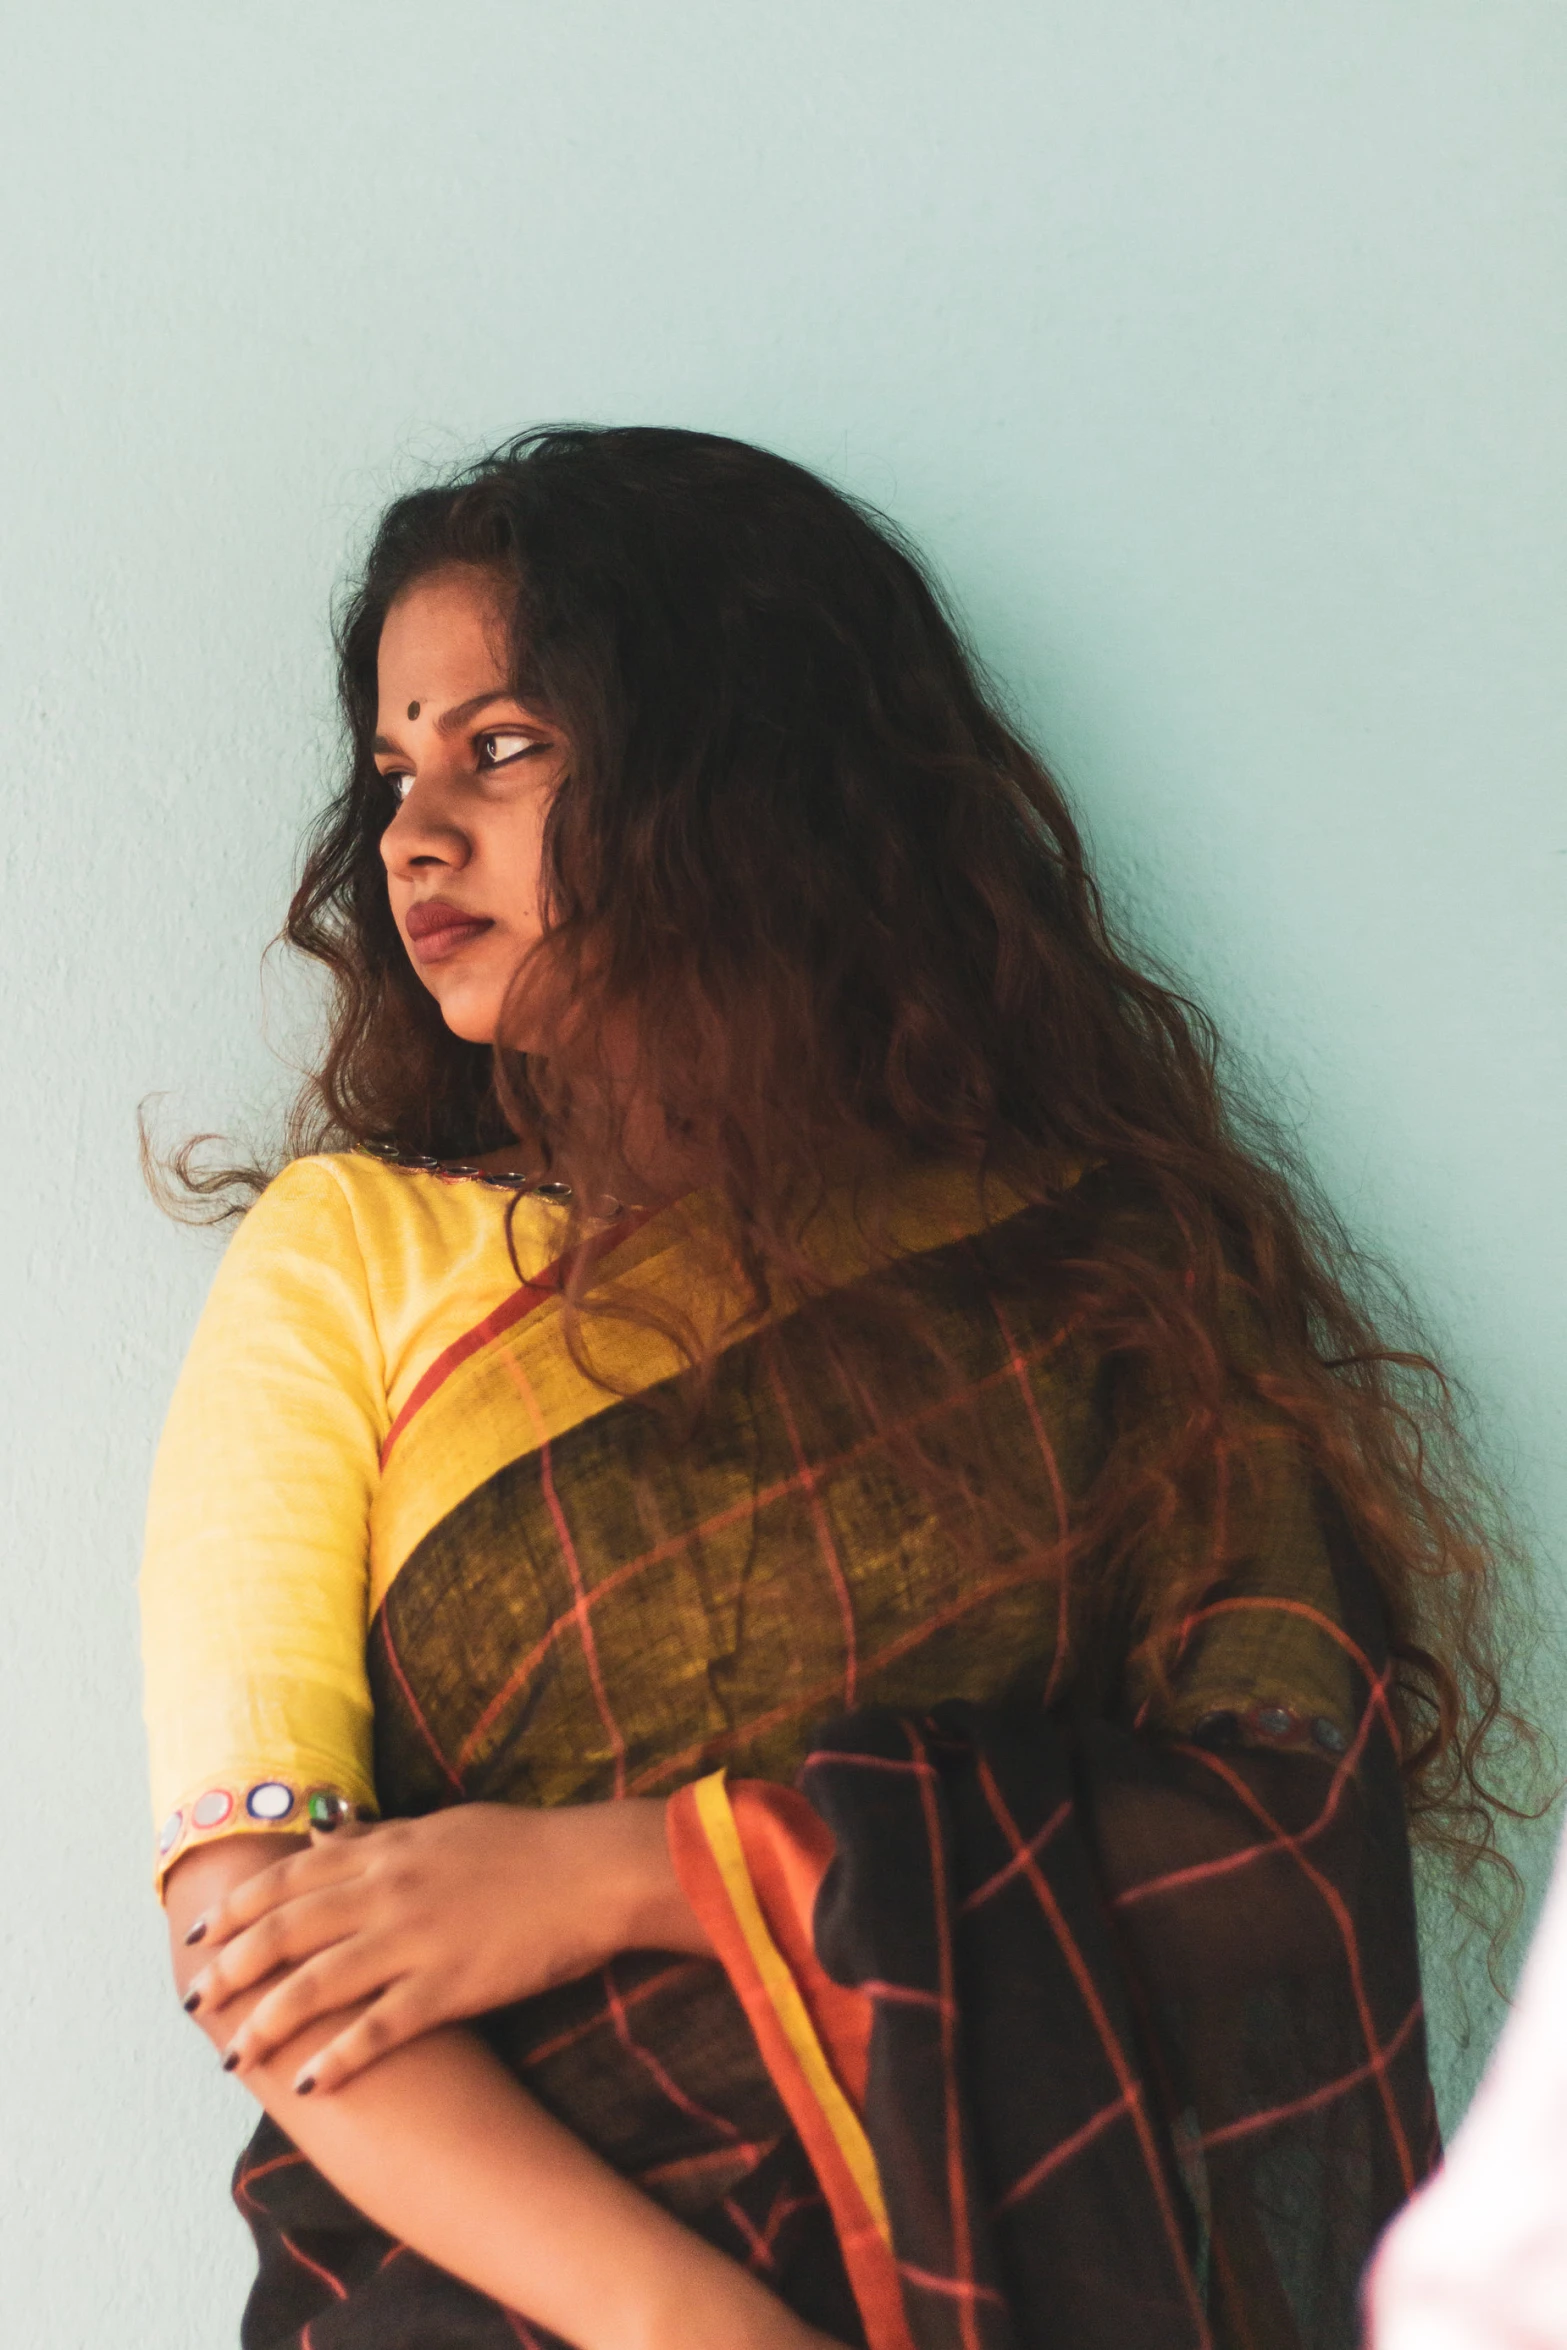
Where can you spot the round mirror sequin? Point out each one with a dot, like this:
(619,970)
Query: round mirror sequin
(328,1809)
(169,1833)
(270,1801)
(212,1809)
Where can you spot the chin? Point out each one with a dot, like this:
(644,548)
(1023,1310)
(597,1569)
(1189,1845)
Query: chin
(474,1021)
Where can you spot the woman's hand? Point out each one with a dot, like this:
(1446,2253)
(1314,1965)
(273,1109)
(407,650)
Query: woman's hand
(435,1919)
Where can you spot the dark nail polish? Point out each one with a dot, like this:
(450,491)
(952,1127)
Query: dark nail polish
(191,2001)
(196,1932)
(304,2087)
(231,2060)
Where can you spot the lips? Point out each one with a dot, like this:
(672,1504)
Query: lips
(436,928)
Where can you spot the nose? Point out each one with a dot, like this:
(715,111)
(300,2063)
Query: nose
(424,831)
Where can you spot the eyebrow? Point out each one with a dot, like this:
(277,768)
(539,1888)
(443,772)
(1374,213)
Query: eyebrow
(458,716)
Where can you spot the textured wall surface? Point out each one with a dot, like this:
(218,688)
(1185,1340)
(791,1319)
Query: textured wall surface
(1216,354)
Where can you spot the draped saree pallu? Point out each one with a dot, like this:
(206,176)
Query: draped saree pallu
(1085,2022)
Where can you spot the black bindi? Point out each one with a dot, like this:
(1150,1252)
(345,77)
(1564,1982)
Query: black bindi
(413,709)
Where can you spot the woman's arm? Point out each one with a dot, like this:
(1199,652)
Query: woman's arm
(438,2144)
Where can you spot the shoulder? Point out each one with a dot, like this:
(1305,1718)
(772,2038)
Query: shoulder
(295,1265)
(334,1182)
(284,1368)
(409,1237)
(305,1220)
(339,1205)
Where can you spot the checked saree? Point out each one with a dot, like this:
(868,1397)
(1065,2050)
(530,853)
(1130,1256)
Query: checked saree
(1046,2010)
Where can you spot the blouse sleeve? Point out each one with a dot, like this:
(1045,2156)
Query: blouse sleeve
(255,1578)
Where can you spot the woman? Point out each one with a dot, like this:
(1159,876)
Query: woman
(762,1287)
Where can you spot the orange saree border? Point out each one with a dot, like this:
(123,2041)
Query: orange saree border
(750,1862)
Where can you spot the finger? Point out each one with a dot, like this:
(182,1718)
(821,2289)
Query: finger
(324,1986)
(302,1872)
(400,2014)
(284,1937)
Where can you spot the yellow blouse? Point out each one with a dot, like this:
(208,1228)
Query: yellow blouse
(343,1285)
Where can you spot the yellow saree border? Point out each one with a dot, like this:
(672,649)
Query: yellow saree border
(469,1426)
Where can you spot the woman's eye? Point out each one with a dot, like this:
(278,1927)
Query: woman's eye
(499,750)
(398,785)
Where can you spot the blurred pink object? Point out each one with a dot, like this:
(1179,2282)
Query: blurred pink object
(1478,2261)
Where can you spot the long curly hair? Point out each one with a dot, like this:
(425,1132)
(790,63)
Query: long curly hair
(846,911)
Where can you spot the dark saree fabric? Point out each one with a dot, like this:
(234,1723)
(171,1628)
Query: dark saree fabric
(1183,2091)
(1135,2029)
(1111,1993)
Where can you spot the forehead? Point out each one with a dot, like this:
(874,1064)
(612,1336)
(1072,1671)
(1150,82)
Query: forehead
(443,639)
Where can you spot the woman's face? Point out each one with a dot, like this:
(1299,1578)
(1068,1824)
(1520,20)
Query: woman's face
(473,771)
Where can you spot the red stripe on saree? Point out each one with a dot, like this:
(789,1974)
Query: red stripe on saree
(523,1300)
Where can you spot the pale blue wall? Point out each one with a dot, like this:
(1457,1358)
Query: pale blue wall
(1215,351)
